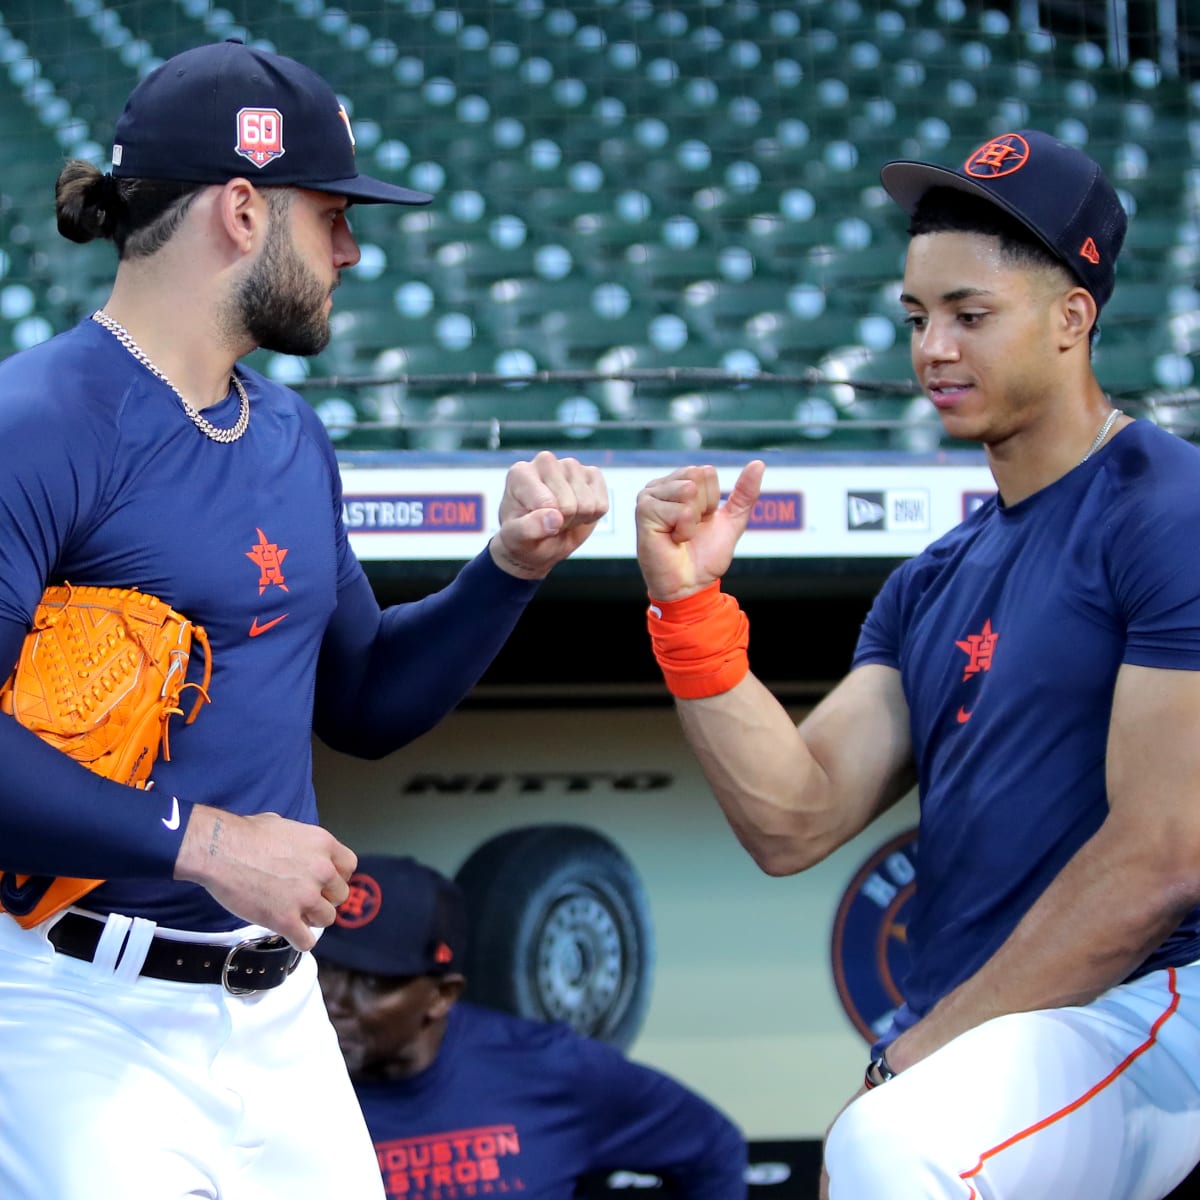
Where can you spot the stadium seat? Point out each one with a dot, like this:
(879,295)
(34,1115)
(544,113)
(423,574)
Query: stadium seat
(787,341)
(657,374)
(613,316)
(600,239)
(464,270)
(719,309)
(662,271)
(516,307)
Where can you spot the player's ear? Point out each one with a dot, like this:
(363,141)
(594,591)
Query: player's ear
(448,989)
(242,212)
(1077,316)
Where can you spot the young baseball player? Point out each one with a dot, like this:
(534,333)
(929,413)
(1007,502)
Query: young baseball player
(1036,673)
(467,1100)
(165,1036)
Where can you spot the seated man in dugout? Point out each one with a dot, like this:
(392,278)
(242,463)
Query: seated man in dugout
(455,1094)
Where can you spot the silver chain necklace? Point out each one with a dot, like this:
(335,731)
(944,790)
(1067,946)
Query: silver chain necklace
(1104,429)
(206,427)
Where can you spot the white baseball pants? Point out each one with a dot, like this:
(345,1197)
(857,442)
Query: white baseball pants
(1100,1102)
(118,1087)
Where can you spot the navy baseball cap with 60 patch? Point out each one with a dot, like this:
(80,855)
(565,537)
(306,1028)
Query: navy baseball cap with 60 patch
(1054,190)
(401,918)
(225,110)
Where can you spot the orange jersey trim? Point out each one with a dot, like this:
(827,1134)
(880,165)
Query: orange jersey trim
(1095,1090)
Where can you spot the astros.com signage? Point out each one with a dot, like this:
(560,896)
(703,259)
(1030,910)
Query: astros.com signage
(813,508)
(413,513)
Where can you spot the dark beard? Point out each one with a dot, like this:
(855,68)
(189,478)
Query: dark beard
(281,303)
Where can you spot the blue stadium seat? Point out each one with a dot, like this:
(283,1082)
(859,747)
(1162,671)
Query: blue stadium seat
(613,317)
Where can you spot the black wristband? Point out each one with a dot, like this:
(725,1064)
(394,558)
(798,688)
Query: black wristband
(878,1071)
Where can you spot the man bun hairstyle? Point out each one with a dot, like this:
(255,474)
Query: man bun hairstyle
(87,202)
(137,215)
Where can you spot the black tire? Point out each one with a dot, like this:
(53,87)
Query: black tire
(560,931)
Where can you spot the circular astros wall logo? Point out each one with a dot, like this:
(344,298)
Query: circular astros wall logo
(870,946)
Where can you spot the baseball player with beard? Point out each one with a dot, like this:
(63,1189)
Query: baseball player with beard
(1036,672)
(166,1037)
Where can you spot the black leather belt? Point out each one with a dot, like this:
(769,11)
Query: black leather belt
(255,965)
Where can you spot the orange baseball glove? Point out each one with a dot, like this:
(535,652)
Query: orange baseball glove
(100,675)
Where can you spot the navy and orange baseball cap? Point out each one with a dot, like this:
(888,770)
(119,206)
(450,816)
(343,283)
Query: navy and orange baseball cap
(225,110)
(401,918)
(1054,190)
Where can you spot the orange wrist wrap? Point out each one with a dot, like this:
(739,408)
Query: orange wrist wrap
(700,642)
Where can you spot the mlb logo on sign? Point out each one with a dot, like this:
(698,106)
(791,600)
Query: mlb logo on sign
(259,135)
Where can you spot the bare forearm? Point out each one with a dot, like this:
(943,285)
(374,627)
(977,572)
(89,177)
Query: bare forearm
(773,793)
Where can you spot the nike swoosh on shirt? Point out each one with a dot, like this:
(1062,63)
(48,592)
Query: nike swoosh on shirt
(963,716)
(256,628)
(172,822)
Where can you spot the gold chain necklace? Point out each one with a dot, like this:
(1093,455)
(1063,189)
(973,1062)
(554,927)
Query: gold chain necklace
(206,427)
(1112,418)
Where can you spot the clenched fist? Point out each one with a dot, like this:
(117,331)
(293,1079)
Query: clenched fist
(549,508)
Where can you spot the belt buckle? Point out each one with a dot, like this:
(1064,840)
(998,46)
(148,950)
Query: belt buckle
(268,941)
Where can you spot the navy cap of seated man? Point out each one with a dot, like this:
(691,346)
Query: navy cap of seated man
(401,918)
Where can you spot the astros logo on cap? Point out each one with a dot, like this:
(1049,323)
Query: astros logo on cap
(259,135)
(361,907)
(1001,156)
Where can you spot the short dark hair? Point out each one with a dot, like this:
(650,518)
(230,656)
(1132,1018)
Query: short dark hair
(949,210)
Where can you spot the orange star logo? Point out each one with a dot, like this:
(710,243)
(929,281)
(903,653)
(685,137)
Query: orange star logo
(268,557)
(979,648)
